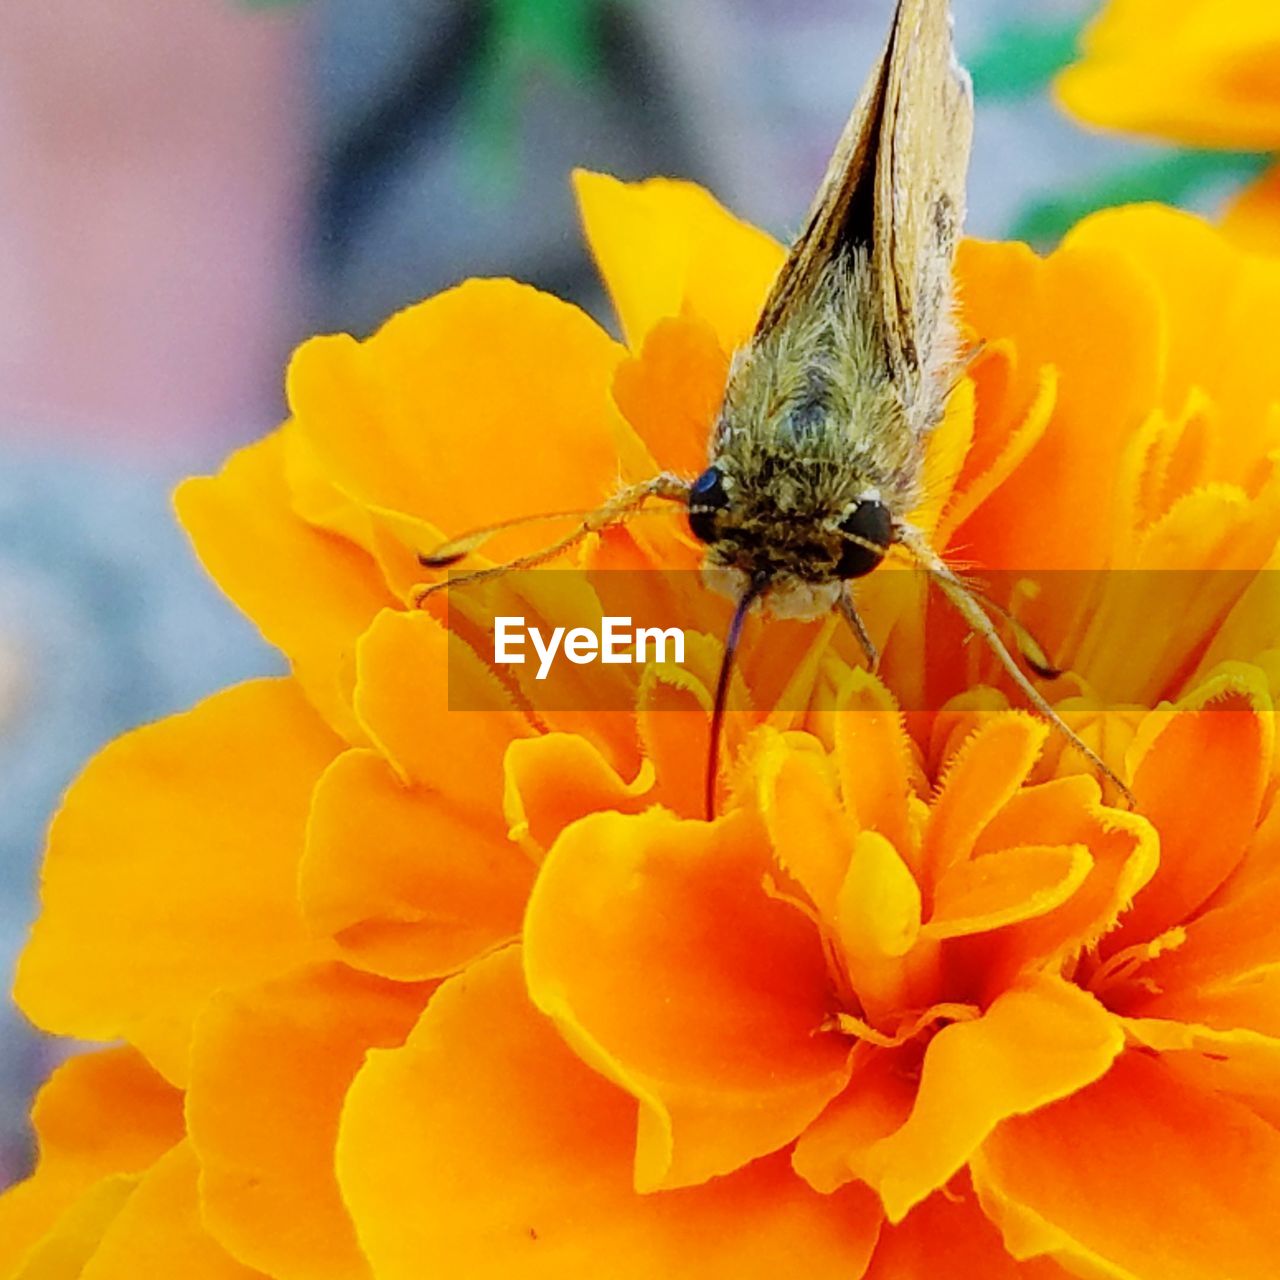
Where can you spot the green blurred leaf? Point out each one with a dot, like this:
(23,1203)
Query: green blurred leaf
(1021,59)
(527,39)
(1171,179)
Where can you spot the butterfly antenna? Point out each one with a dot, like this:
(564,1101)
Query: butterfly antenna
(753,593)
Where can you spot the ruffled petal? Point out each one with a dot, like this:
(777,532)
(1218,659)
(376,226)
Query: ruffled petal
(720,1035)
(949,1235)
(270,1069)
(1252,220)
(407,665)
(310,592)
(406,883)
(487,1146)
(1212,755)
(1189,1191)
(472,383)
(671,392)
(172,869)
(1034,1045)
(665,248)
(86,1168)
(158,1232)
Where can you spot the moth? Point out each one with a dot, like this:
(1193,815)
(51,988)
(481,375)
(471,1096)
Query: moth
(817,454)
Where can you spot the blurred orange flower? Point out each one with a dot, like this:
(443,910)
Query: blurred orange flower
(1199,72)
(483,993)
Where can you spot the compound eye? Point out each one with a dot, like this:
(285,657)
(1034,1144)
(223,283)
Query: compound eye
(869,530)
(707,498)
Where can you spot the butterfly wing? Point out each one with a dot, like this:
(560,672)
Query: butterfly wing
(895,187)
(921,166)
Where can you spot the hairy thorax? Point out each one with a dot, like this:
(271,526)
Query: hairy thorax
(813,451)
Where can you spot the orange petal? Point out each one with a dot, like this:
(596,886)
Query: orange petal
(1062,813)
(985,773)
(1210,755)
(1252,220)
(473,382)
(557,778)
(949,1235)
(878,1100)
(270,1069)
(158,1232)
(719,1035)
(1138,1175)
(1216,301)
(1226,971)
(1005,888)
(1240,1064)
(1177,72)
(172,869)
(810,833)
(79,1153)
(1034,1045)
(406,884)
(310,592)
(877,919)
(486,1146)
(63,1251)
(665,248)
(671,392)
(1037,305)
(873,758)
(408,666)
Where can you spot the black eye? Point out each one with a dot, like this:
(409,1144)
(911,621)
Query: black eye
(872,526)
(706,498)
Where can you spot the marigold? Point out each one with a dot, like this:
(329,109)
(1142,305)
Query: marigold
(1192,71)
(484,993)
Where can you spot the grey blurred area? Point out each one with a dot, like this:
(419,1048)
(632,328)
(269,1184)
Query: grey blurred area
(406,148)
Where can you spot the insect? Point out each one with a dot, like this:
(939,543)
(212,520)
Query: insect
(816,457)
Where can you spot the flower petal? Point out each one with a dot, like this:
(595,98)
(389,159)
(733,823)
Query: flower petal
(983,776)
(78,1153)
(1034,1045)
(1211,755)
(406,884)
(999,889)
(63,1251)
(466,385)
(270,1069)
(406,665)
(949,1235)
(671,392)
(1140,1175)
(171,871)
(557,778)
(1240,1064)
(665,248)
(726,987)
(158,1232)
(1252,220)
(310,592)
(485,1145)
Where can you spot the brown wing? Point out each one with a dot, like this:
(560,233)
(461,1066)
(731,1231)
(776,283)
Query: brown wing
(843,211)
(895,185)
(925,135)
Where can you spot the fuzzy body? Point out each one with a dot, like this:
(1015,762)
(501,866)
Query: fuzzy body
(814,423)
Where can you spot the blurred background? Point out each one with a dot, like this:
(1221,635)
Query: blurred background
(188,188)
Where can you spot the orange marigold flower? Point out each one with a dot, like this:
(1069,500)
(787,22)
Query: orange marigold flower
(486,994)
(1198,72)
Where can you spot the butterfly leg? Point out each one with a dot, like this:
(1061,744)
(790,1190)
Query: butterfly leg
(849,612)
(616,511)
(951,586)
